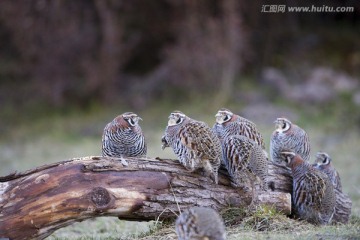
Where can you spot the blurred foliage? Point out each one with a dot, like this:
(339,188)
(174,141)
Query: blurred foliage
(131,52)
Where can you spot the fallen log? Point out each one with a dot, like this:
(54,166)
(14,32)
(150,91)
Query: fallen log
(35,203)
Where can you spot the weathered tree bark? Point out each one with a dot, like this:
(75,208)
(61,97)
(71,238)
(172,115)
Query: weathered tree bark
(35,203)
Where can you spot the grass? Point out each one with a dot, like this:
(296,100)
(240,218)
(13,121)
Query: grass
(103,228)
(57,137)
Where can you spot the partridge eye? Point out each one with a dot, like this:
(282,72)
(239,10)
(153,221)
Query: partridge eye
(131,121)
(284,125)
(226,118)
(178,121)
(325,160)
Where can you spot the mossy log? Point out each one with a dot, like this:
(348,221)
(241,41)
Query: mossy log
(35,203)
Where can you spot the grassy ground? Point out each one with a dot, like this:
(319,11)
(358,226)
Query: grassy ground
(62,136)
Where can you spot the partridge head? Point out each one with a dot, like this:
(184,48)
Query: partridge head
(323,162)
(288,137)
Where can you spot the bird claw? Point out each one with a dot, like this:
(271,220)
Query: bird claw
(164,143)
(124,162)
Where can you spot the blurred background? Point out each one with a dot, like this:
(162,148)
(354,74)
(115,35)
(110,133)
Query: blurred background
(69,67)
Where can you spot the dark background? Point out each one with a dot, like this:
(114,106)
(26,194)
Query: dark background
(60,53)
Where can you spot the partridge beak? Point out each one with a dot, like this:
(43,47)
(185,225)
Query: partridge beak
(277,124)
(171,122)
(219,118)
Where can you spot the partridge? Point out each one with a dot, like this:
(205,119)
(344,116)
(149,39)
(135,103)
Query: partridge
(194,143)
(313,195)
(228,123)
(200,223)
(245,161)
(323,162)
(123,137)
(288,137)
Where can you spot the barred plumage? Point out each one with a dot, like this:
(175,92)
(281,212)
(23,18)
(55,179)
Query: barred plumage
(244,159)
(313,195)
(194,143)
(228,123)
(323,162)
(288,137)
(200,223)
(123,137)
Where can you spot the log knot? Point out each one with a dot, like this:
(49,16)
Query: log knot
(100,197)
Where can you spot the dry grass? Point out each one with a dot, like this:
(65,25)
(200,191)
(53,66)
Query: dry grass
(262,219)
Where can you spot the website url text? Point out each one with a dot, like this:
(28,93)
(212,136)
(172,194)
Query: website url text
(313,8)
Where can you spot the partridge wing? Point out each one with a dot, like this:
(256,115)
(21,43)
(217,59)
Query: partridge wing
(237,153)
(313,189)
(198,137)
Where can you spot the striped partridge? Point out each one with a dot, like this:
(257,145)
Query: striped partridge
(194,143)
(200,223)
(244,159)
(123,137)
(313,195)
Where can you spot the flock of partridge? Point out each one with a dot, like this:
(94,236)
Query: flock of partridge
(235,143)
